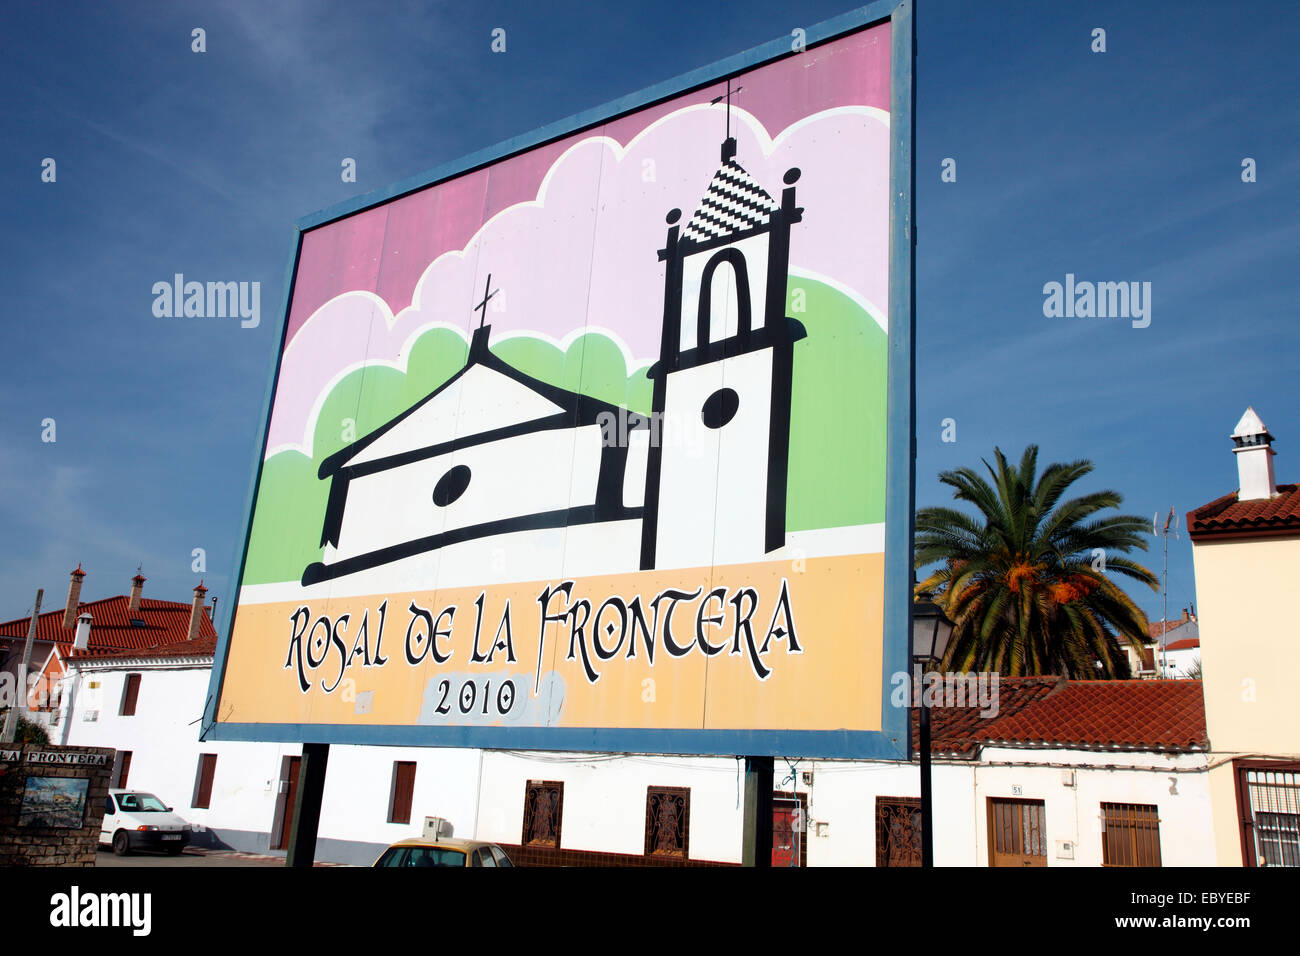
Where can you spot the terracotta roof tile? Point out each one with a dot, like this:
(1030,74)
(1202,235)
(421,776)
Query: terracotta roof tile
(1081,715)
(957,729)
(199,647)
(1156,628)
(164,621)
(1227,516)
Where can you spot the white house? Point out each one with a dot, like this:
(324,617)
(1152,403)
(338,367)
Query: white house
(1066,774)
(102,626)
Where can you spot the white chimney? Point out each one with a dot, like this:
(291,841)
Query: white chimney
(82,639)
(1254,458)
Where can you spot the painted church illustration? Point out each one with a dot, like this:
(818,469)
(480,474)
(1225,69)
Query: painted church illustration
(485,453)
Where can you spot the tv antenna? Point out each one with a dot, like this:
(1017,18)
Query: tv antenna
(1170,527)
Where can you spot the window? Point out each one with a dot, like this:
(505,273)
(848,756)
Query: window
(1279,838)
(667,821)
(203,781)
(543,810)
(130,692)
(399,803)
(898,831)
(109,808)
(422,856)
(1269,797)
(500,856)
(1017,832)
(483,857)
(123,769)
(1130,835)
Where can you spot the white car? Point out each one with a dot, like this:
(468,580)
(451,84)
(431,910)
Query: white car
(134,819)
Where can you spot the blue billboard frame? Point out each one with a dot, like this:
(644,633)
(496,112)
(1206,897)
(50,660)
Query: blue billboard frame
(892,741)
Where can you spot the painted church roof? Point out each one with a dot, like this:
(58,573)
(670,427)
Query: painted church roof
(487,400)
(734,203)
(481,400)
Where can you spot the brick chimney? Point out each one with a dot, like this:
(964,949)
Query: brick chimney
(1252,444)
(82,640)
(137,587)
(74,599)
(196,611)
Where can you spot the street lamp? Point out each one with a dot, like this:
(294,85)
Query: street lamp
(931,631)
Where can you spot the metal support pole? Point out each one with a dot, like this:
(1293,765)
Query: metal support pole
(20,692)
(1164,614)
(759,776)
(306,807)
(927,797)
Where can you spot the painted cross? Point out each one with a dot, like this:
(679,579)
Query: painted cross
(482,306)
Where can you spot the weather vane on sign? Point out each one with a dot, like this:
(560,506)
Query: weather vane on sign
(718,99)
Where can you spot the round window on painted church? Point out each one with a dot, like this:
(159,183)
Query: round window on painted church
(451,486)
(720,407)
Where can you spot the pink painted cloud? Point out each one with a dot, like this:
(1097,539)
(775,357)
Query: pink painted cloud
(583,253)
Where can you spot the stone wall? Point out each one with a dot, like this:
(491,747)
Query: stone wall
(34,817)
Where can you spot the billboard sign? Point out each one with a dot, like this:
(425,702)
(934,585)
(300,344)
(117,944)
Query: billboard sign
(600,441)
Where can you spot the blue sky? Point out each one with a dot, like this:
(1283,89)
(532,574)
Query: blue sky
(1115,166)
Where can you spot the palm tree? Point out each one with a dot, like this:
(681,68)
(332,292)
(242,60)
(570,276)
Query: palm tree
(1029,582)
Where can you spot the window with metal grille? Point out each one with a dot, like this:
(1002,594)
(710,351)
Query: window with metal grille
(543,812)
(403,789)
(667,821)
(1017,832)
(1271,814)
(130,693)
(898,831)
(203,781)
(1130,834)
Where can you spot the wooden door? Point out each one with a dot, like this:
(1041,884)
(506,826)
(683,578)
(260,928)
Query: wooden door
(290,800)
(1017,832)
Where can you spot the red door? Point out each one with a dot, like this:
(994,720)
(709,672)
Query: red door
(787,832)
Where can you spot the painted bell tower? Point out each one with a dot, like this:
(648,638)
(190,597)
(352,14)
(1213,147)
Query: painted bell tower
(716,477)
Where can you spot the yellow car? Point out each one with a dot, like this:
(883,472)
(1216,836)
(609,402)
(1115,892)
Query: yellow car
(422,852)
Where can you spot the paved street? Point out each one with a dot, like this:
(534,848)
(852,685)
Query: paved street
(191,857)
